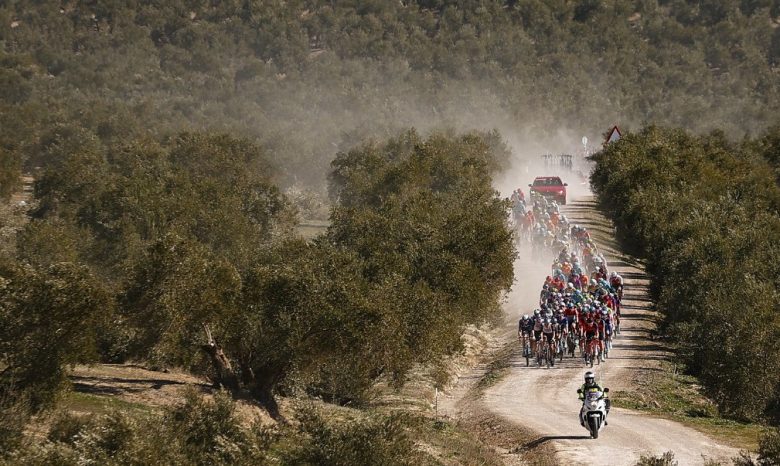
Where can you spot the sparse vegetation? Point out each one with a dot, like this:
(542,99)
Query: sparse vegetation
(665,459)
(679,397)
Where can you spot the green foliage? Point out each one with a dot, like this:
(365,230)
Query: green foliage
(375,440)
(66,427)
(14,416)
(210,431)
(309,78)
(769,448)
(198,241)
(396,279)
(10,172)
(197,431)
(213,189)
(201,431)
(50,318)
(431,236)
(704,214)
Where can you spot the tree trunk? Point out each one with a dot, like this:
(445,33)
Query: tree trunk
(262,389)
(225,375)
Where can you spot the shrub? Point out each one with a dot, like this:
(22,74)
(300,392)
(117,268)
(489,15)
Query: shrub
(666,459)
(703,212)
(366,441)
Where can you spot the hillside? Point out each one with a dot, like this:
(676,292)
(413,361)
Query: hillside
(306,78)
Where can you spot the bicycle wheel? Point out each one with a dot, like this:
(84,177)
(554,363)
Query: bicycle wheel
(527,353)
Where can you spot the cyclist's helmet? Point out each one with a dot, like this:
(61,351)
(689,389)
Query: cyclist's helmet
(536,312)
(590,378)
(525,317)
(613,275)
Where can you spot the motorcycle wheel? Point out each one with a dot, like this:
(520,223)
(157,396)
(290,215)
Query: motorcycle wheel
(593,426)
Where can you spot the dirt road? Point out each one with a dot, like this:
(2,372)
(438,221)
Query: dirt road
(545,400)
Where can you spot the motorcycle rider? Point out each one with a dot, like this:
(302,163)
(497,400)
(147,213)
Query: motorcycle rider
(590,385)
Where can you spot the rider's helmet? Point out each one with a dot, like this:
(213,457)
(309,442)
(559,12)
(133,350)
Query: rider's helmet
(525,317)
(536,312)
(590,378)
(613,275)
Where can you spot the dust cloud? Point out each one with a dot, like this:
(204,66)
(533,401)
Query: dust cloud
(527,162)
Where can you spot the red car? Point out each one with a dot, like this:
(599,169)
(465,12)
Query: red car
(551,187)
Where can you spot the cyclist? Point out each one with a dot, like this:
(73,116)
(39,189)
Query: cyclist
(590,330)
(524,329)
(548,330)
(606,319)
(570,316)
(602,329)
(537,329)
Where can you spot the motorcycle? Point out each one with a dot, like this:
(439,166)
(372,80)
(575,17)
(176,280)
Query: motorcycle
(594,412)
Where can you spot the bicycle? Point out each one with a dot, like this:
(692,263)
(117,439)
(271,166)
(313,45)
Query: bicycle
(545,352)
(549,355)
(572,343)
(562,348)
(526,342)
(592,351)
(540,350)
